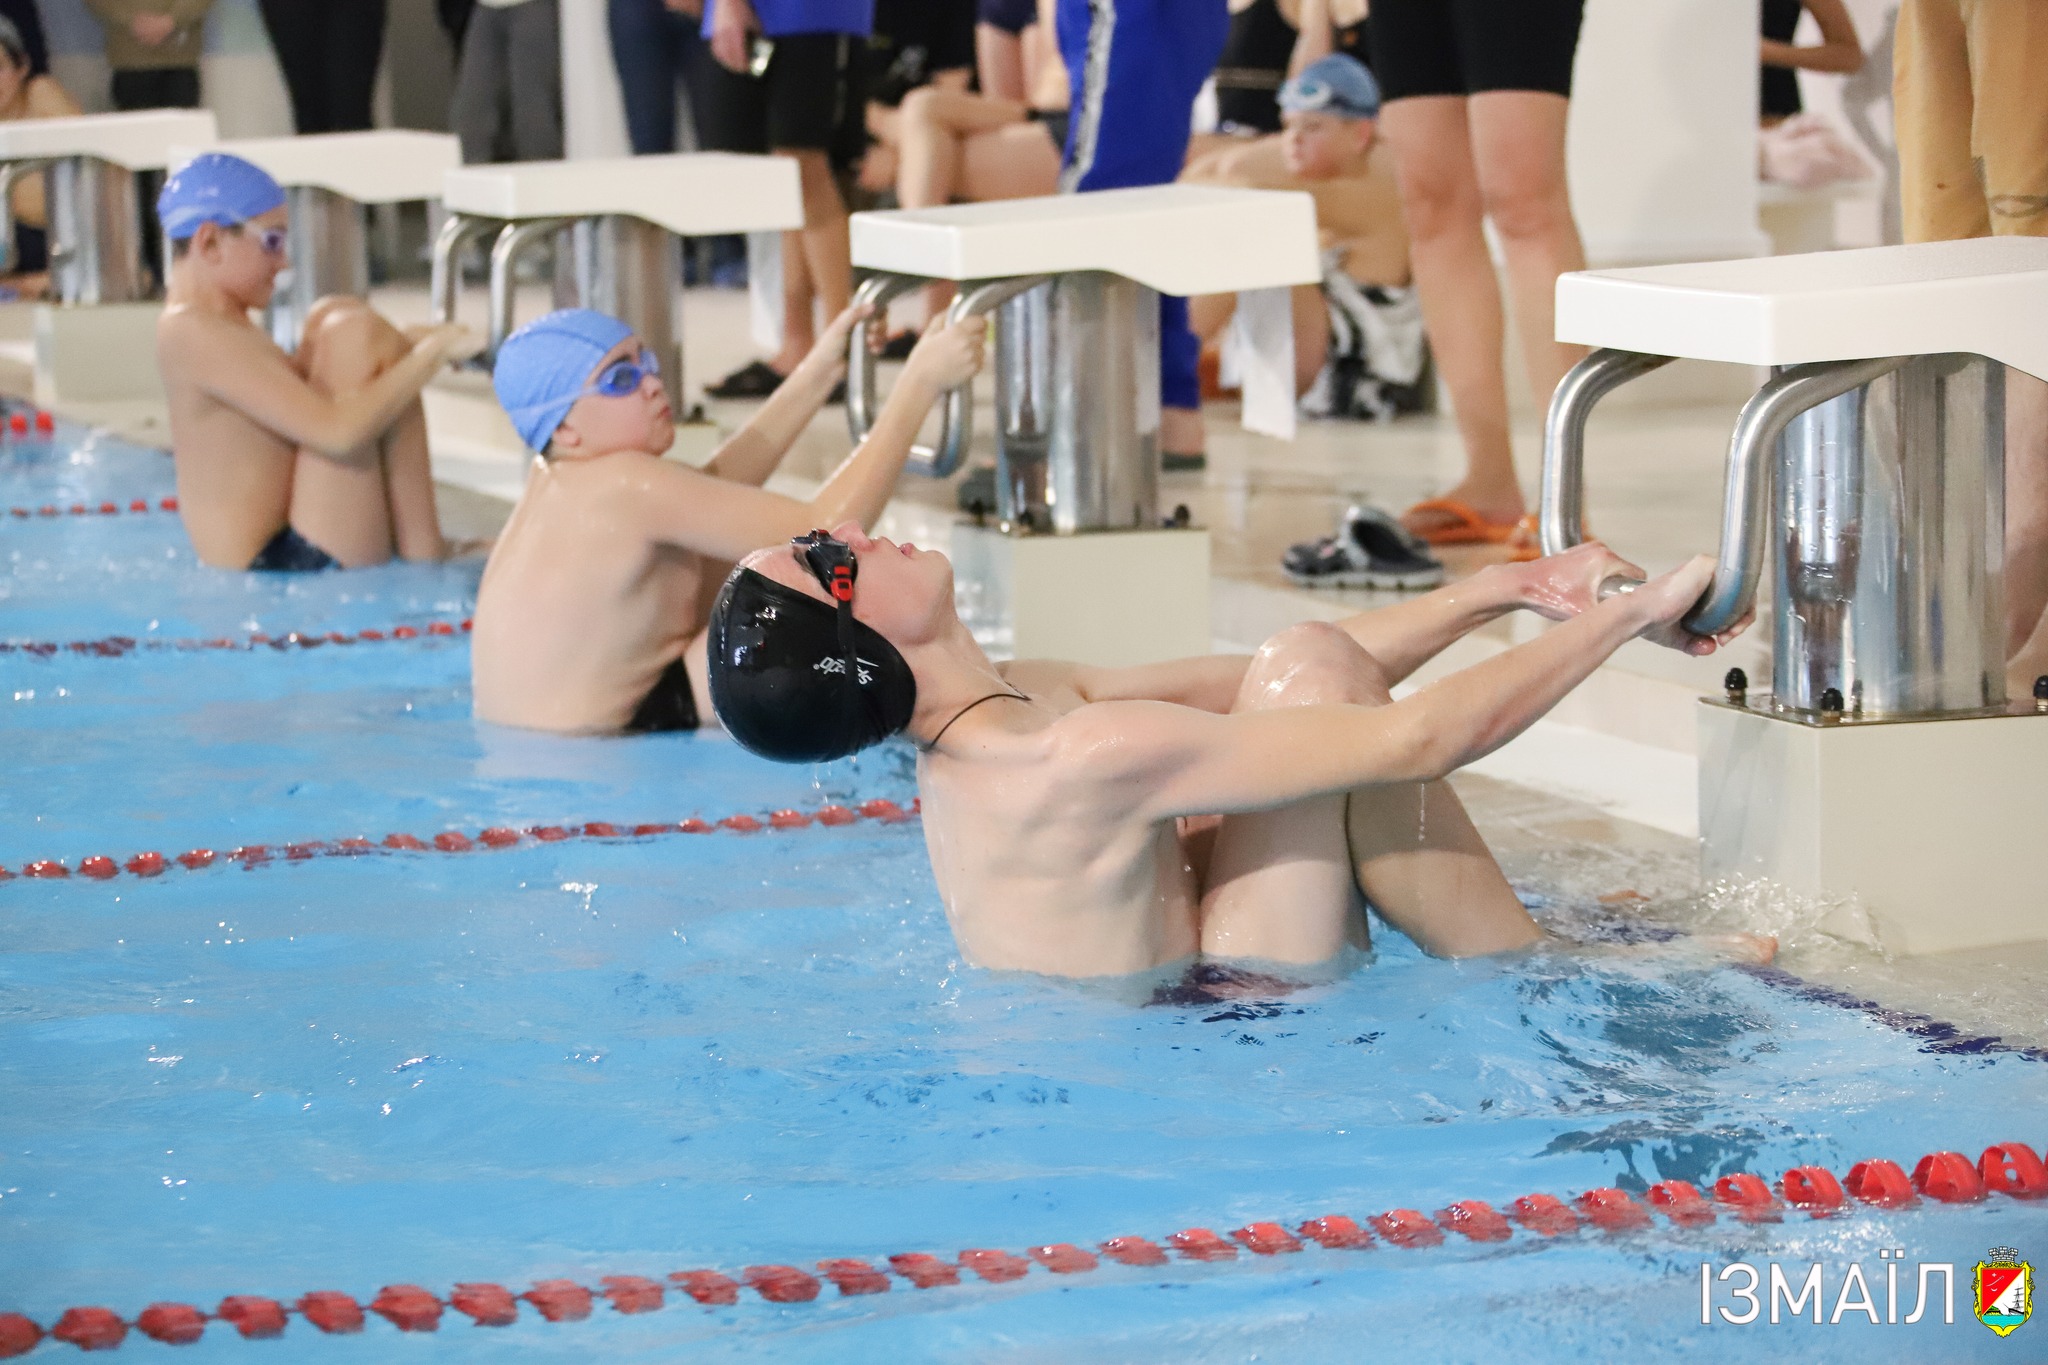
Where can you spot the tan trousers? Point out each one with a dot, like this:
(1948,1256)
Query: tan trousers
(1970,89)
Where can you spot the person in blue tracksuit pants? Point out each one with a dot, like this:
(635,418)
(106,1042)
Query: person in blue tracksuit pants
(1135,67)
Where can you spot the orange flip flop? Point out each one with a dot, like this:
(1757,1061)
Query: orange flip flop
(1469,528)
(1527,542)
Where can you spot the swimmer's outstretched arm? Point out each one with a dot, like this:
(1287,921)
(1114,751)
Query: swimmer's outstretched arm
(1402,637)
(727,521)
(241,367)
(1408,634)
(1166,761)
(757,449)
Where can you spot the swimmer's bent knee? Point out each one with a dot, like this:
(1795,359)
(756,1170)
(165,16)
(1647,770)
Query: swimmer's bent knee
(1313,662)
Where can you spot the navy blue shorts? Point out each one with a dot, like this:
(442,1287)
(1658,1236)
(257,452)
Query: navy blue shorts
(1011,16)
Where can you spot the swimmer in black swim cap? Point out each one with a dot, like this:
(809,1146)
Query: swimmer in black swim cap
(796,680)
(1090,821)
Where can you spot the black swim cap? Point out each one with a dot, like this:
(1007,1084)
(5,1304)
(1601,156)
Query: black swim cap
(797,681)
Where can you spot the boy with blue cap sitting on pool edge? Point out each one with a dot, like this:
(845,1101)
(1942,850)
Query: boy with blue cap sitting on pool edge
(287,462)
(592,610)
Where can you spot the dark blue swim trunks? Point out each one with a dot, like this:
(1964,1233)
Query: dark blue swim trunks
(290,552)
(1012,16)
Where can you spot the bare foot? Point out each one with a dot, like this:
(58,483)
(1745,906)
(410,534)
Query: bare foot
(1756,950)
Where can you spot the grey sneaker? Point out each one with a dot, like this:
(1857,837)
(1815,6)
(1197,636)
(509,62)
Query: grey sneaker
(1369,550)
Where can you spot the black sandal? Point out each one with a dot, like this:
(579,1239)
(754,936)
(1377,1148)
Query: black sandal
(755,379)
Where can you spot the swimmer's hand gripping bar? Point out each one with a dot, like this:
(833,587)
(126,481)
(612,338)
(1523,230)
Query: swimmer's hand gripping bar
(956,426)
(1745,503)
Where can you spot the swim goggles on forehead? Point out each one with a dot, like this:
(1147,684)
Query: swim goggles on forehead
(624,376)
(832,563)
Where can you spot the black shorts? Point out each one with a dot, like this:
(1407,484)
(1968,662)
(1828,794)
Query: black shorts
(812,98)
(670,704)
(1464,47)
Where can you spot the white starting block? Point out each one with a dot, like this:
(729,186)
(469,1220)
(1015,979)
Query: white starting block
(100,342)
(1079,561)
(328,179)
(613,222)
(1886,762)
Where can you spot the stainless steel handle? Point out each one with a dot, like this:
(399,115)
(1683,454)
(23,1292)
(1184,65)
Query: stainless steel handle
(956,422)
(9,174)
(1745,500)
(877,292)
(1561,515)
(512,240)
(446,286)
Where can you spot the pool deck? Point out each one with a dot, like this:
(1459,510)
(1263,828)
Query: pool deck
(1602,795)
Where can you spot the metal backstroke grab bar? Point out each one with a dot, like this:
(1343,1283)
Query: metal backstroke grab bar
(956,425)
(1745,504)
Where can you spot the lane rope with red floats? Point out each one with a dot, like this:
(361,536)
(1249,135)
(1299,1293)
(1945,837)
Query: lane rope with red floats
(102,867)
(118,646)
(134,506)
(2009,1169)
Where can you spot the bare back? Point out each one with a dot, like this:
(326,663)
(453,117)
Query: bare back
(234,474)
(1044,866)
(581,608)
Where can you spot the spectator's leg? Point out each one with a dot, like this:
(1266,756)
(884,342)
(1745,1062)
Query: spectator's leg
(534,54)
(356,46)
(1460,295)
(1311,335)
(826,252)
(480,84)
(644,48)
(1016,161)
(1940,196)
(1518,149)
(297,34)
(933,131)
(2008,58)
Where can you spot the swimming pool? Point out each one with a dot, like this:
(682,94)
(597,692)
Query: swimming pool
(606,1055)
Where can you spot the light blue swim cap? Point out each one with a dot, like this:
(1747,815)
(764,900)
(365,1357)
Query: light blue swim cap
(214,187)
(1337,84)
(543,368)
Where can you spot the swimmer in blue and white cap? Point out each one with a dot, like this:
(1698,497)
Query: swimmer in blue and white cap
(287,462)
(591,614)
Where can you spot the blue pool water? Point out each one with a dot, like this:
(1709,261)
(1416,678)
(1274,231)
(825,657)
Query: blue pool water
(600,1057)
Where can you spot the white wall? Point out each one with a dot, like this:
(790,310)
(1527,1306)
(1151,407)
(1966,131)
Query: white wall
(1662,140)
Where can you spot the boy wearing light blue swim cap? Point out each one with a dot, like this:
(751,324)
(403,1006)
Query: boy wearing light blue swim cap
(287,462)
(593,607)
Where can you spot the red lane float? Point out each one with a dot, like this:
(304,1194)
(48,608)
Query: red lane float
(852,1276)
(174,1324)
(101,867)
(1475,1220)
(487,1305)
(1949,1177)
(924,1270)
(2011,1169)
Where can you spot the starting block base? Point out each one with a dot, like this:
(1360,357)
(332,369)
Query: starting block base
(1934,827)
(99,354)
(1107,598)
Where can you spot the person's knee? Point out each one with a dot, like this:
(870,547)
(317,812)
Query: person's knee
(345,336)
(1315,663)
(920,108)
(1527,209)
(1434,205)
